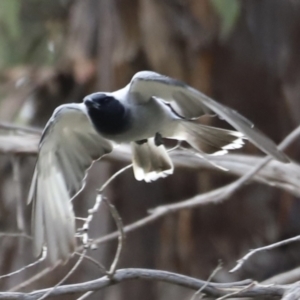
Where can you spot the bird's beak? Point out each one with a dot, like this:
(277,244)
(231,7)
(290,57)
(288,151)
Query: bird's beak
(89,102)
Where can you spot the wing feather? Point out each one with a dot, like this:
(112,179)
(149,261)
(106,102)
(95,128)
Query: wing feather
(68,147)
(191,104)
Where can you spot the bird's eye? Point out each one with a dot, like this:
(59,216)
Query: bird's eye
(106,100)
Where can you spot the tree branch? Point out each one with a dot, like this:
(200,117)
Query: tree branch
(235,289)
(210,197)
(25,141)
(241,261)
(284,278)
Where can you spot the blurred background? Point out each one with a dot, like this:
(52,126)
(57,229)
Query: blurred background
(244,53)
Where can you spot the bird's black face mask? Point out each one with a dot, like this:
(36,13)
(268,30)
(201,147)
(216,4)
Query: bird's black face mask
(107,113)
(98,101)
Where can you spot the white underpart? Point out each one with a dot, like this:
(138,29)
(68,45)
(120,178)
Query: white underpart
(150,162)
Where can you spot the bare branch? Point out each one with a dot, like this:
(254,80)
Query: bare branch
(87,294)
(111,178)
(293,293)
(157,214)
(15,161)
(225,192)
(19,144)
(285,278)
(34,278)
(241,261)
(51,290)
(211,289)
(121,238)
(276,174)
(19,128)
(237,293)
(87,242)
(211,276)
(94,261)
(210,197)
(15,235)
(42,258)
(83,231)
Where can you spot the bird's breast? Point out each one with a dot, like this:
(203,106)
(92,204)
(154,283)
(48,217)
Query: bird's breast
(144,121)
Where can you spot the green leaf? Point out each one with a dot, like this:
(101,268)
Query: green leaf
(3,52)
(229,11)
(9,16)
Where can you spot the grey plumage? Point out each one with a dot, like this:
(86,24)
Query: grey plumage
(67,149)
(192,104)
(149,107)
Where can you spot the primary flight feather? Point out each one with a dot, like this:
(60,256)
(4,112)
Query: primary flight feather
(149,108)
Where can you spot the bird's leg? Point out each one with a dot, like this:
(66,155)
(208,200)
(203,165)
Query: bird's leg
(141,142)
(158,139)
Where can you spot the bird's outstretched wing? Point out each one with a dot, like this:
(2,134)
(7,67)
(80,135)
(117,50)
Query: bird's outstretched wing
(191,104)
(68,146)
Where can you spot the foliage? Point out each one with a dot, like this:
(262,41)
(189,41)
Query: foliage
(29,32)
(229,11)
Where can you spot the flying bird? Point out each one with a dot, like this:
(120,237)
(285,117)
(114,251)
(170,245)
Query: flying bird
(149,108)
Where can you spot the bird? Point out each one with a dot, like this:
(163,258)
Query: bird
(151,107)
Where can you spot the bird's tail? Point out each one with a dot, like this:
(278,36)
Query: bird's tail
(211,140)
(150,161)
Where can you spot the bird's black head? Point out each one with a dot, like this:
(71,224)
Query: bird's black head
(98,101)
(107,114)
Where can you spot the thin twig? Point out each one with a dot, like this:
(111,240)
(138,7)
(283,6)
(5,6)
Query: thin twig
(35,277)
(20,128)
(211,276)
(285,277)
(94,261)
(52,289)
(121,237)
(237,292)
(42,258)
(224,192)
(15,161)
(115,215)
(87,294)
(15,235)
(114,176)
(241,261)
(92,211)
(83,231)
